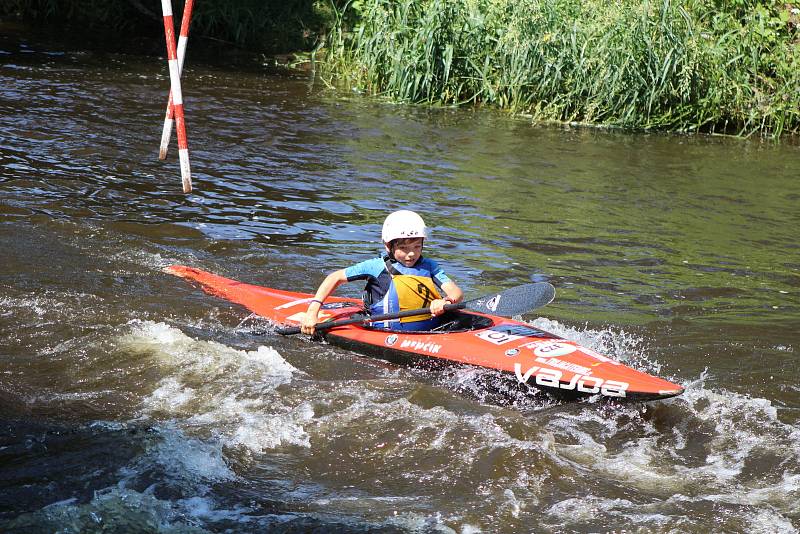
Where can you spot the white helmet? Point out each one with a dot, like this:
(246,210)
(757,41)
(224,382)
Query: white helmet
(403,224)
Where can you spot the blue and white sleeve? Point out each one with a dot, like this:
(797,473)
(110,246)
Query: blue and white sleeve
(438,274)
(365,270)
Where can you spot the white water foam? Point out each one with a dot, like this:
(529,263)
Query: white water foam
(49,304)
(463,441)
(692,449)
(704,457)
(117,509)
(581,513)
(120,509)
(769,522)
(418,523)
(192,461)
(151,260)
(492,387)
(173,464)
(585,508)
(431,426)
(220,390)
(617,344)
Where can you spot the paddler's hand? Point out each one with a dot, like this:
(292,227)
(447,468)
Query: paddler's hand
(311,318)
(437,306)
(308,324)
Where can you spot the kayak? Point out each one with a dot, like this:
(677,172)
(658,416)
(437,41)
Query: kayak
(533,357)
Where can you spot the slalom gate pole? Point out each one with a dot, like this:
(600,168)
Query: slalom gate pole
(183,40)
(177,96)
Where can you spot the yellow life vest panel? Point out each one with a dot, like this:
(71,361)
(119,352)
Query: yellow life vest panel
(414,292)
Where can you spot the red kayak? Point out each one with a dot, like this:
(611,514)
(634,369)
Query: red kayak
(534,357)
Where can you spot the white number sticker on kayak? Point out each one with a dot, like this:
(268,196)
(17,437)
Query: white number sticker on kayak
(498,338)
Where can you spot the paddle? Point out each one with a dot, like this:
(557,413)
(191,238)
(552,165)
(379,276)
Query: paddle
(514,301)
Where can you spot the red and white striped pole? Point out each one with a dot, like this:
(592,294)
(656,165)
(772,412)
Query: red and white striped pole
(183,39)
(177,96)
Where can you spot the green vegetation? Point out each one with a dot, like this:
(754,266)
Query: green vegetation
(726,66)
(729,66)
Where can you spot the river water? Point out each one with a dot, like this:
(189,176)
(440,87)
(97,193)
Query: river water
(131,401)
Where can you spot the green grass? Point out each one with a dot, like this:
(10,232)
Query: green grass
(731,67)
(725,66)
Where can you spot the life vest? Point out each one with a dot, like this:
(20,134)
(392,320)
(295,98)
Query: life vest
(411,288)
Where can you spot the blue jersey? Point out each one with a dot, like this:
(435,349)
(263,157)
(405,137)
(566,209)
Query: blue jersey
(393,287)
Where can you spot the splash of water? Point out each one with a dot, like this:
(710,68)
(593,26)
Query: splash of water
(218,390)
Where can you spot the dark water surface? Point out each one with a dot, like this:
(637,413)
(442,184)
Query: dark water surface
(132,402)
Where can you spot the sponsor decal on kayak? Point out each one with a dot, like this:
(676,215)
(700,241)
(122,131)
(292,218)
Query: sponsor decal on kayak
(421,346)
(512,352)
(391,340)
(567,366)
(552,349)
(584,384)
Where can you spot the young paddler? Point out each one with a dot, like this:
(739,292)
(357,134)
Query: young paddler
(401,280)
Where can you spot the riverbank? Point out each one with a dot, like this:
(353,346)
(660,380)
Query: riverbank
(693,66)
(696,66)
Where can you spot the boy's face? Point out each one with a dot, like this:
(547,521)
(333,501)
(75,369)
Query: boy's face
(408,251)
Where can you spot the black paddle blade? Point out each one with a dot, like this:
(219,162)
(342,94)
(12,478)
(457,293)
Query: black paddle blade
(514,301)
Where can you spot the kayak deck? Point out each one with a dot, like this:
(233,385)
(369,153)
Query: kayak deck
(532,356)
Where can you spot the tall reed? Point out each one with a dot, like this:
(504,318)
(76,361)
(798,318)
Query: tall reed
(686,65)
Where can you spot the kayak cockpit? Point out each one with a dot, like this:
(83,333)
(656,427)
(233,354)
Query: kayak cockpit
(458,321)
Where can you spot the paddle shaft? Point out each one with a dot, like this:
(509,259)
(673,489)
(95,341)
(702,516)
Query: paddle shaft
(371,319)
(513,301)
